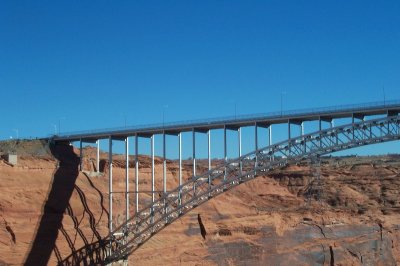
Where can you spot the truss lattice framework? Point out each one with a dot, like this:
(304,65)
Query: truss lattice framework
(200,189)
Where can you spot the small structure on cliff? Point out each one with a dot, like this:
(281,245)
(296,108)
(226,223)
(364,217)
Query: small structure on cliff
(11,158)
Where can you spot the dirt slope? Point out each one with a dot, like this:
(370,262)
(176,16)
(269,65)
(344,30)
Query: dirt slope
(48,209)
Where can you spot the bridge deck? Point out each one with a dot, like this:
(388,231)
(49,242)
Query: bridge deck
(262,120)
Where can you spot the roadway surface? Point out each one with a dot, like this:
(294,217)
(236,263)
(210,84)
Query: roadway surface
(358,111)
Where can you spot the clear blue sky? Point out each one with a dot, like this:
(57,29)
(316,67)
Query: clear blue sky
(95,64)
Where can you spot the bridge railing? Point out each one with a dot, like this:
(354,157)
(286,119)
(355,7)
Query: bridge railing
(238,118)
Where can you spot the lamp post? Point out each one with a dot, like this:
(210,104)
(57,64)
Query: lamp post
(16,132)
(282,93)
(235,110)
(124,115)
(163,115)
(233,101)
(59,124)
(384,96)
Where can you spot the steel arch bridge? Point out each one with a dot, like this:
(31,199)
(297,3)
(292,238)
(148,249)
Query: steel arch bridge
(126,238)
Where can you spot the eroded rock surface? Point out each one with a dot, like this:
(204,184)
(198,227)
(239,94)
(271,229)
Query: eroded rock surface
(350,216)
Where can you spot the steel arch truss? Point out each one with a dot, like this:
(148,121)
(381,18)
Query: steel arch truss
(200,189)
(335,139)
(172,205)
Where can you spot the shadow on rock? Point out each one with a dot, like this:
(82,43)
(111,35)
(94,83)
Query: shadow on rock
(56,206)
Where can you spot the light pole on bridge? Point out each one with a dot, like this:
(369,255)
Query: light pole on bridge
(384,96)
(16,132)
(235,110)
(282,93)
(55,129)
(59,124)
(124,115)
(163,114)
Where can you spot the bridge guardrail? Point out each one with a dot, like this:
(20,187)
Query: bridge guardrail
(238,118)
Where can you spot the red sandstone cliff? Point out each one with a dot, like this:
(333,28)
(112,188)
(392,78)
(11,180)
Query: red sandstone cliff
(287,218)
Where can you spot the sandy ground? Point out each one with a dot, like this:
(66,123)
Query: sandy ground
(350,217)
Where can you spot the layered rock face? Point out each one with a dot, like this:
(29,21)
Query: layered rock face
(339,211)
(349,218)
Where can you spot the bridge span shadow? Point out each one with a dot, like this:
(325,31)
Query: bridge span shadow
(56,211)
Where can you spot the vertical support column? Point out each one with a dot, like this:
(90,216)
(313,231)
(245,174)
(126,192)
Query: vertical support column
(194,159)
(270,135)
(388,124)
(337,137)
(240,148)
(80,155)
(225,153)
(194,151)
(240,141)
(370,130)
(165,174)
(320,128)
(110,185)
(152,180)
(209,149)
(180,158)
(137,172)
(164,165)
(289,139)
(302,134)
(127,179)
(180,170)
(388,114)
(270,141)
(256,146)
(256,136)
(352,122)
(98,156)
(152,168)
(209,160)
